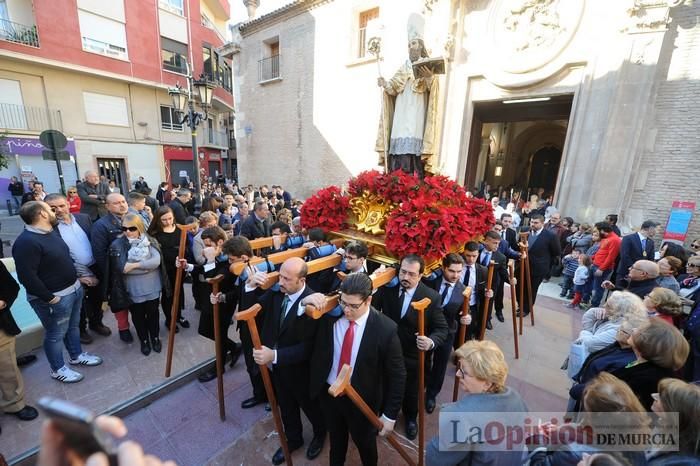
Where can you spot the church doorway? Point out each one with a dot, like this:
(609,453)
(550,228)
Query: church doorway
(516,146)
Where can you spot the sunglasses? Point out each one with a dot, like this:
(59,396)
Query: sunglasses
(131,229)
(695,246)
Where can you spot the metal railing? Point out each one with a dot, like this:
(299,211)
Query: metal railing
(269,68)
(29,118)
(19,33)
(211,137)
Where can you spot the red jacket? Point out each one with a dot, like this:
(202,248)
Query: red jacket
(605,258)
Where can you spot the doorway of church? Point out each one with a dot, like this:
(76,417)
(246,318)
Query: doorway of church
(516,146)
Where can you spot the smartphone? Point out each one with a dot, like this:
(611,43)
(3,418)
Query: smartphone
(77,425)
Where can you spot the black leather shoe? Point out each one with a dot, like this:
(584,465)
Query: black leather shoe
(411,430)
(499,316)
(167,327)
(126,336)
(235,354)
(207,376)
(489,325)
(26,414)
(250,402)
(101,329)
(429,405)
(85,338)
(517,313)
(278,457)
(315,446)
(25,360)
(183,322)
(157,346)
(145,348)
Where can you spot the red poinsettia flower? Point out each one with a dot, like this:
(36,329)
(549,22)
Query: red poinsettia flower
(327,209)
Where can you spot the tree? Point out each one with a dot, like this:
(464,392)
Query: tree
(4,153)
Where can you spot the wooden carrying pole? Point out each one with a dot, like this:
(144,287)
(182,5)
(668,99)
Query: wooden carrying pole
(511,275)
(249,317)
(342,386)
(521,294)
(467,293)
(218,341)
(530,296)
(420,307)
(176,297)
(487,301)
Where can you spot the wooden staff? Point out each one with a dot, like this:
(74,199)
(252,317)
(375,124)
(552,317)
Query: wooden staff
(249,317)
(511,274)
(467,293)
(530,296)
(523,257)
(487,300)
(342,386)
(218,341)
(176,296)
(420,307)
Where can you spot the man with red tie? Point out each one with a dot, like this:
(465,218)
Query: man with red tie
(367,341)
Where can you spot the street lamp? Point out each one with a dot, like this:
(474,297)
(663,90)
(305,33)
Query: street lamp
(183,102)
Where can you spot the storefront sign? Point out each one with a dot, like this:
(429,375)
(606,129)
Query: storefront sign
(31,146)
(679,220)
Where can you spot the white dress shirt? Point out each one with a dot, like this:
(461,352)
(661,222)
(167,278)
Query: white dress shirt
(472,282)
(339,329)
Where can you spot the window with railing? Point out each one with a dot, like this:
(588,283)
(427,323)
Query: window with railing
(269,68)
(29,118)
(173,55)
(225,76)
(102,35)
(19,33)
(169,119)
(365,18)
(173,6)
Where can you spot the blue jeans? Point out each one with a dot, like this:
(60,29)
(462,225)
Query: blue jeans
(598,290)
(18,201)
(60,321)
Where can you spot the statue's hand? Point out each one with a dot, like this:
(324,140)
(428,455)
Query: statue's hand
(381,82)
(425,72)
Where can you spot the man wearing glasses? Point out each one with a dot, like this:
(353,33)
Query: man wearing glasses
(75,231)
(640,280)
(395,303)
(367,341)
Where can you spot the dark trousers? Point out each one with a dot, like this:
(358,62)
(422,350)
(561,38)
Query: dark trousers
(91,310)
(474,329)
(293,400)
(408,163)
(567,284)
(251,367)
(206,320)
(166,302)
(498,297)
(343,418)
(146,319)
(410,396)
(535,280)
(441,358)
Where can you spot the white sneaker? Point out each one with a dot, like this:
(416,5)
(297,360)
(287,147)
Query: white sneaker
(86,359)
(67,375)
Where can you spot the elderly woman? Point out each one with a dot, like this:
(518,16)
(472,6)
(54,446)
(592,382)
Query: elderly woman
(660,351)
(482,372)
(682,399)
(664,304)
(138,275)
(604,394)
(600,324)
(610,358)
(669,268)
(582,239)
(690,282)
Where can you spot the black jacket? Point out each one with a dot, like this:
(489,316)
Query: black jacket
(379,375)
(453,307)
(544,253)
(631,252)
(9,289)
(643,379)
(118,255)
(93,207)
(16,189)
(252,228)
(387,301)
(103,233)
(179,211)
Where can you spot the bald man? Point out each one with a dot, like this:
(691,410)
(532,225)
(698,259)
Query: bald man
(640,280)
(92,195)
(287,336)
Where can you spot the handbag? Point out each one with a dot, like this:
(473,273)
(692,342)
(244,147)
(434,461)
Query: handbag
(577,356)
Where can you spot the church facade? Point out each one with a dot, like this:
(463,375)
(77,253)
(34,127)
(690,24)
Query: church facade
(594,102)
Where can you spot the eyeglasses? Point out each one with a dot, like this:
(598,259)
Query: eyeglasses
(693,265)
(131,229)
(695,246)
(407,273)
(72,192)
(354,307)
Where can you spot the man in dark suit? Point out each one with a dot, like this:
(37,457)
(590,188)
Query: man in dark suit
(450,288)
(474,275)
(287,337)
(636,247)
(11,383)
(257,225)
(395,303)
(178,205)
(75,231)
(508,234)
(489,253)
(378,372)
(505,248)
(544,249)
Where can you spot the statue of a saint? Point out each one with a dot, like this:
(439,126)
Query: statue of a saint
(408,125)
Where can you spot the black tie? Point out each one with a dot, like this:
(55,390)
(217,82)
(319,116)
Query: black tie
(486,260)
(283,310)
(466,276)
(444,293)
(402,298)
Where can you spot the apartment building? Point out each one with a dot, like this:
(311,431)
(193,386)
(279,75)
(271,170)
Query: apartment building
(99,71)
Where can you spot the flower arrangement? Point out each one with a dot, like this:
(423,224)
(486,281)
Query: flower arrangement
(327,209)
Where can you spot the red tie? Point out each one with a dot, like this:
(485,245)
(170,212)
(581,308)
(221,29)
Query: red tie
(346,350)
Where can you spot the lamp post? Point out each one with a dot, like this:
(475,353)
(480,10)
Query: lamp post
(183,102)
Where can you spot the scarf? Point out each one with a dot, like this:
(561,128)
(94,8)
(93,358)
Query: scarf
(140,249)
(689,282)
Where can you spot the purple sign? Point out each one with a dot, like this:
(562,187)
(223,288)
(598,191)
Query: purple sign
(31,146)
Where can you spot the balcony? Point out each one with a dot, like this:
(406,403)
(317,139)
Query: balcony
(212,138)
(269,68)
(19,33)
(21,117)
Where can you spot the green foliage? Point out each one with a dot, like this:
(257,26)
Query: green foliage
(4,153)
